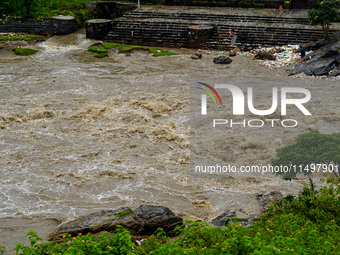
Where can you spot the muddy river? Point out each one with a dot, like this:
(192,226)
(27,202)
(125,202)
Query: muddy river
(80,134)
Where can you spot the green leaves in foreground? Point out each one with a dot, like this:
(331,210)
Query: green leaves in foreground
(119,244)
(122,48)
(307,224)
(24,51)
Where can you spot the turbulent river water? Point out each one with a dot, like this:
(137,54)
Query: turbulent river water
(80,134)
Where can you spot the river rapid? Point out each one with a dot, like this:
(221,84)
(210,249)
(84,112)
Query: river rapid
(80,135)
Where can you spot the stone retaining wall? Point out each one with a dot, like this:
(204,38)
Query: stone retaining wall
(229,3)
(49,26)
(210,29)
(175,34)
(242,3)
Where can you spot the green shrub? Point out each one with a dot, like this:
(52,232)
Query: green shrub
(2,250)
(324,13)
(38,9)
(119,244)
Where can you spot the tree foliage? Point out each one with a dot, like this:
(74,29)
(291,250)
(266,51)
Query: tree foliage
(37,8)
(311,148)
(324,14)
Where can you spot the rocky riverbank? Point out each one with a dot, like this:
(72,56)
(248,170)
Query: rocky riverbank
(146,219)
(322,58)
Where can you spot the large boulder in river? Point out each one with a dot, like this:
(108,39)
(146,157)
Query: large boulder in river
(222,60)
(321,61)
(145,220)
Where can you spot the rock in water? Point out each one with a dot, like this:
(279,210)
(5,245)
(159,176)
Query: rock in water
(223,219)
(321,61)
(334,72)
(236,50)
(232,53)
(229,217)
(145,220)
(222,60)
(94,222)
(196,56)
(262,55)
(98,28)
(149,218)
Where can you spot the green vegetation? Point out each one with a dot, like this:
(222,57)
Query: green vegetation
(17,38)
(306,224)
(119,244)
(312,152)
(122,48)
(27,9)
(125,213)
(100,55)
(97,49)
(38,9)
(324,14)
(24,51)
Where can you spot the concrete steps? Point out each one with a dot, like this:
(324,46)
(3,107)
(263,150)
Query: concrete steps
(170,29)
(253,36)
(215,17)
(148,33)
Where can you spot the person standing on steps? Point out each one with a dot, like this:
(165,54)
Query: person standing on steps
(303,54)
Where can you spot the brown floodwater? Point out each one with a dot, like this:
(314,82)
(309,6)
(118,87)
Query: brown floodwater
(80,134)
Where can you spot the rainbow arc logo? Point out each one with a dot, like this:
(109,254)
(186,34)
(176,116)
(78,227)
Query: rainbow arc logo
(209,93)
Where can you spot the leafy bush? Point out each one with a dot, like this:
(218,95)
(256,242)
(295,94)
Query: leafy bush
(27,9)
(119,244)
(324,14)
(2,249)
